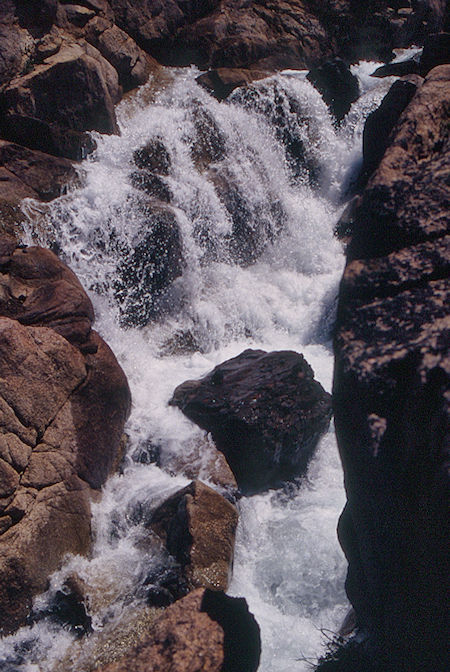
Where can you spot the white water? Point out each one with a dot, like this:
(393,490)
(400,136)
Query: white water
(287,564)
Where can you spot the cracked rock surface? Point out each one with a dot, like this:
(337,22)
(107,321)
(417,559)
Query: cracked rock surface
(63,402)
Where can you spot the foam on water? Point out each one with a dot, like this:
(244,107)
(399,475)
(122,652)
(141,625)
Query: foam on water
(288,564)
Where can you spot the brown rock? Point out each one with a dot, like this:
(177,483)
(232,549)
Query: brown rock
(45,111)
(37,288)
(199,459)
(380,122)
(133,65)
(402,205)
(198,527)
(203,632)
(222,81)
(46,175)
(61,422)
(391,390)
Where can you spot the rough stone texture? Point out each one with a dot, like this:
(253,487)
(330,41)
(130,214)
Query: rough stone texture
(391,391)
(48,176)
(203,632)
(337,85)
(265,412)
(62,410)
(198,527)
(52,107)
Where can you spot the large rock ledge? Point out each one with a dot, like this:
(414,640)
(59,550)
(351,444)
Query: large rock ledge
(391,390)
(63,403)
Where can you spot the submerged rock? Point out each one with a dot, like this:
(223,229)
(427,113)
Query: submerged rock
(265,412)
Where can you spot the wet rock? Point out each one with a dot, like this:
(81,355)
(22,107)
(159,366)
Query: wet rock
(62,410)
(209,145)
(255,222)
(198,527)
(391,390)
(203,632)
(380,122)
(148,270)
(222,81)
(68,607)
(45,111)
(36,288)
(411,66)
(198,458)
(265,412)
(336,83)
(152,184)
(154,157)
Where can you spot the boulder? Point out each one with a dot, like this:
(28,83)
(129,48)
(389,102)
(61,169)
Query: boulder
(391,391)
(265,412)
(337,85)
(204,632)
(62,410)
(198,528)
(45,110)
(380,123)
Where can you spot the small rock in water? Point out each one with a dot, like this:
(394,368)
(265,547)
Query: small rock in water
(265,412)
(198,527)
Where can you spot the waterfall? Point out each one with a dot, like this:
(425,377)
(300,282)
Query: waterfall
(256,185)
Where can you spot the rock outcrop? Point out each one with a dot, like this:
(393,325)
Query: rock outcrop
(203,632)
(63,403)
(265,412)
(391,390)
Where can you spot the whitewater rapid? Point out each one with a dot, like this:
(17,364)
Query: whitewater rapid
(287,561)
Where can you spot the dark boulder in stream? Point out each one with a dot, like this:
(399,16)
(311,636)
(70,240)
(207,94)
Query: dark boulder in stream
(265,412)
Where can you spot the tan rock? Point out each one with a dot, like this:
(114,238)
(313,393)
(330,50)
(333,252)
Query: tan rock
(198,527)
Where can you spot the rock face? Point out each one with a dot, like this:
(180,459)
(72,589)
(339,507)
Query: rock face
(203,632)
(391,390)
(63,403)
(198,527)
(265,412)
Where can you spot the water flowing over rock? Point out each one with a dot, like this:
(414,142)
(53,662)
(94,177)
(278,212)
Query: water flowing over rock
(265,412)
(391,390)
(62,413)
(203,632)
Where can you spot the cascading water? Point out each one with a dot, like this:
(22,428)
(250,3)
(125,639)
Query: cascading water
(256,186)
